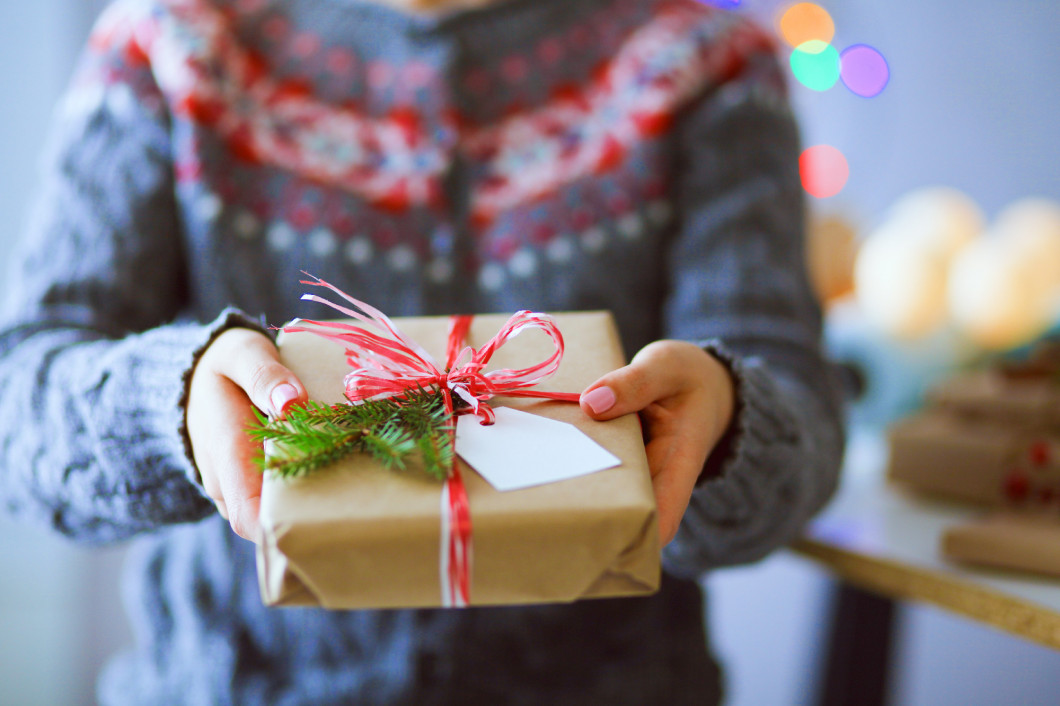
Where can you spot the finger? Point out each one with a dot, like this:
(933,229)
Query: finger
(676,461)
(202,431)
(233,460)
(252,362)
(210,482)
(654,374)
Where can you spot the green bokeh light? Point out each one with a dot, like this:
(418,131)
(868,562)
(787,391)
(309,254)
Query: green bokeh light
(816,65)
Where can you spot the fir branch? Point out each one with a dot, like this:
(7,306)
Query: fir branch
(312,450)
(390,430)
(389,444)
(436,450)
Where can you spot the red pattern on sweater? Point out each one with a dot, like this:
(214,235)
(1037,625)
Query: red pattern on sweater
(393,161)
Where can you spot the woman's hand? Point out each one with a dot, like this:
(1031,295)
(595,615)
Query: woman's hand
(240,370)
(685,398)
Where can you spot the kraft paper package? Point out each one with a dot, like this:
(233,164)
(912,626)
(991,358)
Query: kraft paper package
(1029,402)
(356,535)
(1007,540)
(991,437)
(975,460)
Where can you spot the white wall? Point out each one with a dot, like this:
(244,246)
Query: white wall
(59,613)
(972,103)
(39,42)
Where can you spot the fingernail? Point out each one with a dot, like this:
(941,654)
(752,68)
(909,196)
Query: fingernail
(282,397)
(600,400)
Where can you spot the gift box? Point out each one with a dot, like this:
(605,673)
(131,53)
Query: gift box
(356,535)
(975,460)
(1024,542)
(1006,397)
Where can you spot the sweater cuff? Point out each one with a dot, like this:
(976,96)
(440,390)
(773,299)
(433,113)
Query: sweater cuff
(722,452)
(228,319)
(754,425)
(726,504)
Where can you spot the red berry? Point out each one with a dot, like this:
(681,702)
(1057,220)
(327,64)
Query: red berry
(1039,453)
(1017,486)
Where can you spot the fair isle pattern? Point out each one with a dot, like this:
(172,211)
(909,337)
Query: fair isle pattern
(393,162)
(209,78)
(662,65)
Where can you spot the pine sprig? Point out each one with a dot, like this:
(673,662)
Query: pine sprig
(390,445)
(391,430)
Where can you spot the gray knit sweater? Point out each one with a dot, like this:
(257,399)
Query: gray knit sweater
(632,155)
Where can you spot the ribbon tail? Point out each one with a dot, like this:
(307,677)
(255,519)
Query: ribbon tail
(454,555)
(541,394)
(455,551)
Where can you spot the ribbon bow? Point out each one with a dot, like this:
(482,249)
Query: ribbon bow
(388,364)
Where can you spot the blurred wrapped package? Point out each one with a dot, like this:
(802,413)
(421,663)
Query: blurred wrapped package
(990,437)
(973,460)
(1006,540)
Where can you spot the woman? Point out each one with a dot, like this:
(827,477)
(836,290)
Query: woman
(632,155)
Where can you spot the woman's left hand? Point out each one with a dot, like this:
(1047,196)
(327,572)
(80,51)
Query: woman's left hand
(685,398)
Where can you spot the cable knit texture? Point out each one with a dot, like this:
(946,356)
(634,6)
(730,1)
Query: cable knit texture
(631,155)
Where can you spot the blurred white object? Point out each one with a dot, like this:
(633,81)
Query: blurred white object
(993,295)
(900,284)
(1004,288)
(1032,226)
(941,216)
(902,267)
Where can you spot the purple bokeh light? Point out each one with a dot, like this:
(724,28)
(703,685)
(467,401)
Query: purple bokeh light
(863,70)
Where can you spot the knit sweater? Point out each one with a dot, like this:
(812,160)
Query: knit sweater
(631,155)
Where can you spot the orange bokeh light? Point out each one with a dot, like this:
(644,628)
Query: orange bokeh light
(804,22)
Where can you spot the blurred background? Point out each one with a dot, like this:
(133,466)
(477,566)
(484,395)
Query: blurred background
(967,99)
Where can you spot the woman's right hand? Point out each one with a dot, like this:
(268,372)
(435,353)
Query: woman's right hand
(239,370)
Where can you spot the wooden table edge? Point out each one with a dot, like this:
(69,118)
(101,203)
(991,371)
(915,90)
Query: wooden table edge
(902,581)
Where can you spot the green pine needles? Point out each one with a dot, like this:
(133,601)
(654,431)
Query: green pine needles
(394,431)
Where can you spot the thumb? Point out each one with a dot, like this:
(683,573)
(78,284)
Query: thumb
(251,361)
(650,376)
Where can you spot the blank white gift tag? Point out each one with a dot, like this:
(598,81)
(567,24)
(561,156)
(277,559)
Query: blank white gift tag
(522,449)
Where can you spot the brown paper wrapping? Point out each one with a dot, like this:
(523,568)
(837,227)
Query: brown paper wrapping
(1008,541)
(1030,403)
(975,460)
(359,536)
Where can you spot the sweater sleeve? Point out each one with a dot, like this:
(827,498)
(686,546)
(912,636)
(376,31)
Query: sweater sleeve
(93,354)
(739,286)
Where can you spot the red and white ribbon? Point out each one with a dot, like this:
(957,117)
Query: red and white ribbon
(387,363)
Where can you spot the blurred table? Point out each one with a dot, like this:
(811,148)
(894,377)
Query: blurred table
(881,539)
(883,545)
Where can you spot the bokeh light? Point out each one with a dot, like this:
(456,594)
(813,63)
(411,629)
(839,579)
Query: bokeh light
(804,22)
(823,170)
(864,70)
(815,64)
